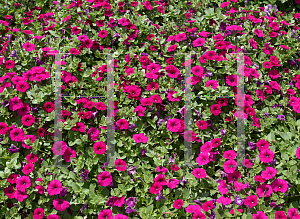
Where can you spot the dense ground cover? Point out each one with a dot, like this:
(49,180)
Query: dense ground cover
(149,178)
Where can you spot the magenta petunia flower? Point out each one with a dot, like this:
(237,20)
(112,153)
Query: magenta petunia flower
(16,134)
(230,154)
(74,51)
(22,86)
(28,120)
(178,203)
(120,165)
(102,34)
(53,216)
(251,201)
(206,147)
(4,128)
(54,187)
(202,124)
(215,109)
(172,183)
(189,136)
(68,154)
(172,48)
(155,188)
(9,64)
(28,46)
(212,83)
(140,138)
(28,168)
(124,21)
(198,42)
(60,204)
(199,173)
(105,214)
(259,215)
(224,201)
(99,147)
(121,216)
(32,158)
(298,153)
(104,178)
(160,179)
(49,107)
(264,189)
(266,155)
(230,166)
(269,173)
(15,103)
(21,195)
(10,192)
(173,125)
(202,159)
(207,206)
(279,185)
(59,147)
(38,213)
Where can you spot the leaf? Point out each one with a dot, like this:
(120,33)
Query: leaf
(149,209)
(75,187)
(284,135)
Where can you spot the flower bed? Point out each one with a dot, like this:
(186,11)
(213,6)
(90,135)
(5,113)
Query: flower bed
(184,76)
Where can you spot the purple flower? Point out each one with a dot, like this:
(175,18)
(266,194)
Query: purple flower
(281,117)
(223,132)
(117,35)
(212,215)
(130,210)
(266,115)
(64,192)
(94,115)
(35,109)
(143,151)
(84,206)
(183,181)
(5,103)
(159,197)
(273,204)
(132,170)
(132,127)
(110,201)
(13,149)
(171,160)
(197,112)
(239,201)
(14,54)
(252,145)
(131,202)
(273,162)
(181,111)
(84,175)
(198,202)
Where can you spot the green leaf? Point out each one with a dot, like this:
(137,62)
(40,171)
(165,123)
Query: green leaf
(149,209)
(75,187)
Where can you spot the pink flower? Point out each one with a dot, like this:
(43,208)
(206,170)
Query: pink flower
(102,34)
(40,189)
(251,201)
(298,153)
(264,189)
(213,83)
(172,48)
(202,159)
(224,4)
(198,71)
(121,216)
(172,71)
(239,185)
(68,154)
(178,203)
(280,215)
(269,173)
(4,128)
(16,134)
(10,192)
(207,206)
(105,214)
(180,37)
(99,147)
(124,22)
(74,51)
(155,188)
(60,204)
(54,187)
(28,168)
(224,201)
(140,138)
(199,173)
(21,195)
(193,209)
(53,216)
(230,166)
(267,64)
(123,123)
(28,120)
(104,178)
(59,147)
(279,185)
(293,212)
(146,102)
(259,215)
(9,64)
(120,165)
(28,46)
(189,136)
(172,183)
(22,86)
(206,147)
(198,42)
(259,33)
(160,179)
(148,6)
(230,154)
(140,110)
(232,80)
(266,155)
(202,124)
(23,183)
(38,213)
(215,109)
(263,144)
(15,103)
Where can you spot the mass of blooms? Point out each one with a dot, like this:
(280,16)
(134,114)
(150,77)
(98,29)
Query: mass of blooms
(203,121)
